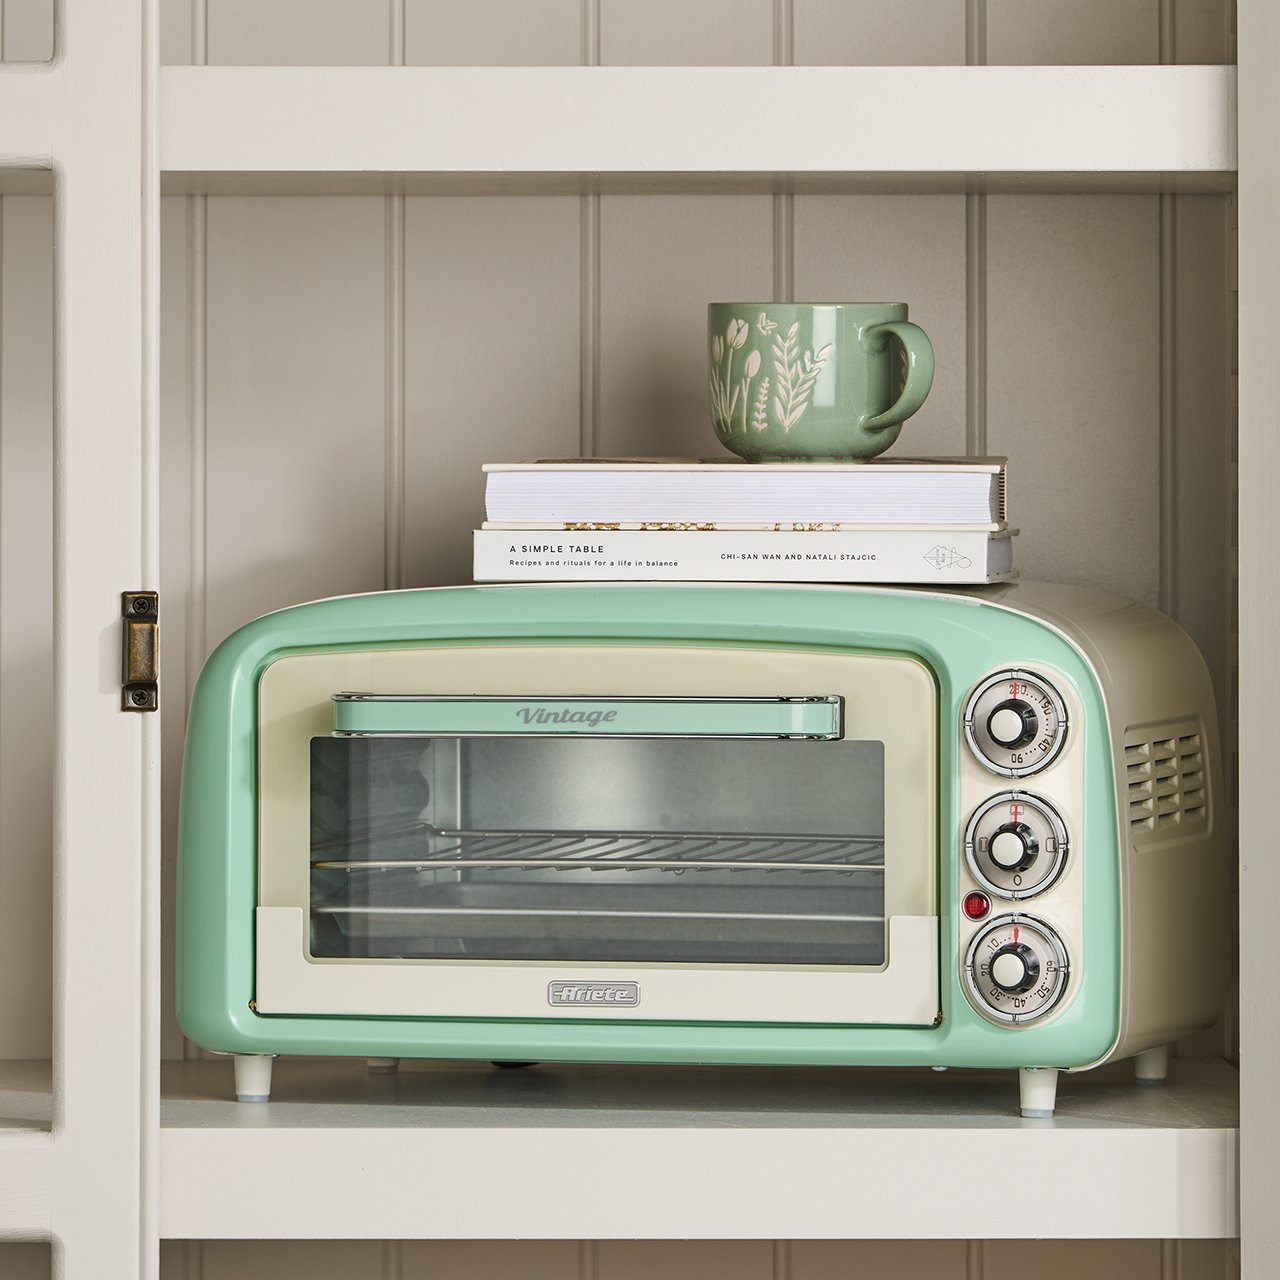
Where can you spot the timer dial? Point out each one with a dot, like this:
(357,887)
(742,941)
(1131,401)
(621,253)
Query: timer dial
(1015,722)
(1016,844)
(1016,969)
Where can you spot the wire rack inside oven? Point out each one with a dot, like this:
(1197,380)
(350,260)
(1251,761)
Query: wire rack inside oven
(421,846)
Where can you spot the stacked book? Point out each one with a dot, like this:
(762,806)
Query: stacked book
(909,520)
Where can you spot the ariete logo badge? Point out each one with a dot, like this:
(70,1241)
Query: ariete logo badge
(593,993)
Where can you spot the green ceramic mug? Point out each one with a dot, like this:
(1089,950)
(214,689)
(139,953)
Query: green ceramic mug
(809,381)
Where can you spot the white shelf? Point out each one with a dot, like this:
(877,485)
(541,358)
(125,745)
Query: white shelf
(464,1151)
(543,128)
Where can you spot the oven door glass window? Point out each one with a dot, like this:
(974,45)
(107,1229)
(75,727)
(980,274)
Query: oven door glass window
(678,850)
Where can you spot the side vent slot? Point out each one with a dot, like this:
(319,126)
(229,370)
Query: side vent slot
(1166,780)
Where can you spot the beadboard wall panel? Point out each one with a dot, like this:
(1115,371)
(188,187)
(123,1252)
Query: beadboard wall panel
(537,33)
(1073,375)
(1049,32)
(663,258)
(26,626)
(25,1261)
(492,1259)
(287,32)
(852,33)
(854,1259)
(491,335)
(546,32)
(294,402)
(183,569)
(675,1260)
(897,248)
(674,33)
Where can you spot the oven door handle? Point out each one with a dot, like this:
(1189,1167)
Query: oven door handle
(427,716)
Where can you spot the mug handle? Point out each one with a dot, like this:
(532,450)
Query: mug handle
(919,369)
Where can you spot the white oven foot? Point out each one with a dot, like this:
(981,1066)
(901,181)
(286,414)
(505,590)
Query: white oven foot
(253,1076)
(1038,1091)
(1151,1066)
(382,1066)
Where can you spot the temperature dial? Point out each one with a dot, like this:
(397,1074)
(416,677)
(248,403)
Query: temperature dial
(1016,844)
(1016,969)
(1015,722)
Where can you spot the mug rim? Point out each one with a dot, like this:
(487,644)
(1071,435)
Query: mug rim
(830,305)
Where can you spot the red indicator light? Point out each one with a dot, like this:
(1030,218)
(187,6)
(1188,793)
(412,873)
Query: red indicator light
(976,905)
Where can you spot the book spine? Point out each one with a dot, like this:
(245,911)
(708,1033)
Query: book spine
(726,526)
(889,556)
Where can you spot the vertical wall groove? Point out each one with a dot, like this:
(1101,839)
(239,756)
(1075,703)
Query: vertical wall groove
(784,202)
(975,1260)
(1167,392)
(1167,406)
(197,413)
(392,1260)
(782,1260)
(393,514)
(2,449)
(589,268)
(975,234)
(588,1260)
(198,475)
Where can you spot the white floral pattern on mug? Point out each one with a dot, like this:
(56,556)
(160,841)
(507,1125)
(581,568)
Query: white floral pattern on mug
(795,371)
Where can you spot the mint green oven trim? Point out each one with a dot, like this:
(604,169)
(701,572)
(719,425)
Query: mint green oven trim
(958,637)
(412,716)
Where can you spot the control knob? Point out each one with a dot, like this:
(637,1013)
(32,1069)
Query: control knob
(1015,968)
(1016,844)
(1013,847)
(1013,723)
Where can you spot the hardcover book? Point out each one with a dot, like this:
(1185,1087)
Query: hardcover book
(619,491)
(938,555)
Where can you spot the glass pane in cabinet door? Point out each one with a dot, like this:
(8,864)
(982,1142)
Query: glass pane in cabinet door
(676,851)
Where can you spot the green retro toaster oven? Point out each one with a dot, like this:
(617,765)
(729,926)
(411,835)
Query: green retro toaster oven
(704,823)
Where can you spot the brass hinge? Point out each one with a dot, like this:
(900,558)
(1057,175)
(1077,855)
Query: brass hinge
(140,613)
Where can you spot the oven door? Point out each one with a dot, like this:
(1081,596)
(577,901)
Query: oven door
(687,834)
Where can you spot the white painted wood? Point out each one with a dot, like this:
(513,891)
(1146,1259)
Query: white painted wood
(946,120)
(106,785)
(1259,623)
(756,1154)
